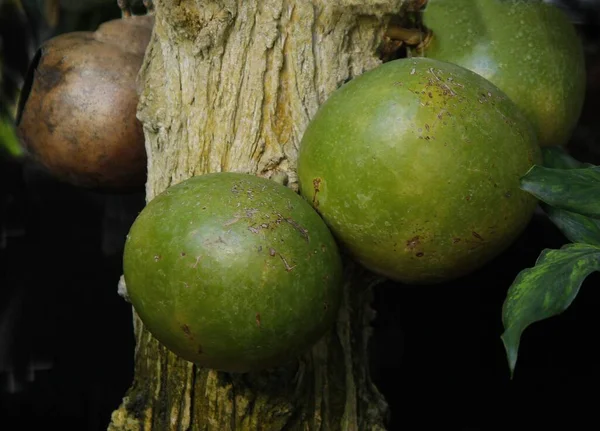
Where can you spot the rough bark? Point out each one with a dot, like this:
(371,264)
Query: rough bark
(230,85)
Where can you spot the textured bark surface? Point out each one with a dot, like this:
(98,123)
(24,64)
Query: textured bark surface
(230,85)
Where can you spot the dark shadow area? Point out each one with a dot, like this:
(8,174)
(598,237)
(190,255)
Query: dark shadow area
(439,360)
(66,337)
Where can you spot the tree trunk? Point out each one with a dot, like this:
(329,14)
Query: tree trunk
(230,85)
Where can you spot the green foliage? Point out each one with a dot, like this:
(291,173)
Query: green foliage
(557,157)
(576,227)
(9,143)
(545,290)
(576,190)
(569,192)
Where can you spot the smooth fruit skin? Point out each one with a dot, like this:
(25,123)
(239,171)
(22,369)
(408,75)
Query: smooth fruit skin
(233,271)
(136,30)
(79,119)
(529,49)
(415,167)
(77,113)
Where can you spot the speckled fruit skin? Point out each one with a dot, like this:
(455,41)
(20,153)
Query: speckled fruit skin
(528,49)
(415,167)
(233,271)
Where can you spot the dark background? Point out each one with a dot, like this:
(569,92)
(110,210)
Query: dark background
(66,338)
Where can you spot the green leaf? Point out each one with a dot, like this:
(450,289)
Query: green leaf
(576,227)
(9,143)
(557,157)
(576,190)
(545,290)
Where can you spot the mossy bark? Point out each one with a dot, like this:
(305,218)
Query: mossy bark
(230,85)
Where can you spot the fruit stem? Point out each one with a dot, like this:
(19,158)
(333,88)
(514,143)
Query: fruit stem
(410,36)
(417,5)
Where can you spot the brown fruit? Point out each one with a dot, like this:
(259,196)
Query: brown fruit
(136,30)
(77,116)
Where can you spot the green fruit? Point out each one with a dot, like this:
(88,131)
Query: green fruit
(233,272)
(415,167)
(528,49)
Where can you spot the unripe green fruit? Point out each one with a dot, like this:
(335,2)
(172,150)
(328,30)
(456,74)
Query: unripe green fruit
(415,167)
(233,272)
(528,49)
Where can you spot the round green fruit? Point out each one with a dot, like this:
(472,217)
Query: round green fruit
(528,49)
(415,167)
(233,272)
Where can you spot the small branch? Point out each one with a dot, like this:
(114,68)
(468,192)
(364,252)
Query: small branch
(410,36)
